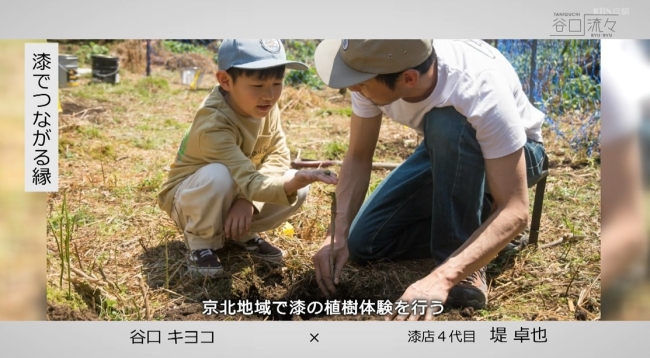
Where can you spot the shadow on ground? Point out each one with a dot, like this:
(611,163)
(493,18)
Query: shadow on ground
(249,279)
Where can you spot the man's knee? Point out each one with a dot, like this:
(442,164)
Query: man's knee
(359,249)
(443,124)
(356,254)
(448,135)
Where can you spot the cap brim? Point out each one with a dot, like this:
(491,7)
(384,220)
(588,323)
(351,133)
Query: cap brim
(332,70)
(260,65)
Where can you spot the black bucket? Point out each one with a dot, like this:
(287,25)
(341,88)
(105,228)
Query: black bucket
(68,76)
(106,69)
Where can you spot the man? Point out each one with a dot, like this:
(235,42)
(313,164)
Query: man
(462,195)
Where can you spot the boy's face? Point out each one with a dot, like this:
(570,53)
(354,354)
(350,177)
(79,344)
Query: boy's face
(251,96)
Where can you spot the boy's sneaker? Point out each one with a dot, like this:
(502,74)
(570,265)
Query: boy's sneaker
(471,292)
(205,262)
(259,247)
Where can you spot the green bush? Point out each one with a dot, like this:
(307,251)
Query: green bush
(85,52)
(562,79)
(182,47)
(335,150)
(303,51)
(568,86)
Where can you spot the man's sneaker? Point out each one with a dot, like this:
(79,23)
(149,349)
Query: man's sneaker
(205,262)
(471,292)
(258,247)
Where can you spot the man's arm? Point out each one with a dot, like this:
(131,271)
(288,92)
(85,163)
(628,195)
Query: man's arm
(506,178)
(354,178)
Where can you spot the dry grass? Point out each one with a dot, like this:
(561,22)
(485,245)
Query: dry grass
(117,142)
(133,55)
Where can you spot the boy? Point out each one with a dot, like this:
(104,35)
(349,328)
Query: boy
(231,177)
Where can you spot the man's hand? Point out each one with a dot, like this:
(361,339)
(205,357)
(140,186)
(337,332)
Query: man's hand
(302,178)
(350,194)
(429,289)
(238,221)
(321,259)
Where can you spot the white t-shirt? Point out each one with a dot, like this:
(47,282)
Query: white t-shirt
(482,85)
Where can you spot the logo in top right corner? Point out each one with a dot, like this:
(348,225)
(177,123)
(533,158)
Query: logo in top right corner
(600,23)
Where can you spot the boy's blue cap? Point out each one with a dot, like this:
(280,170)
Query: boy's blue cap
(254,55)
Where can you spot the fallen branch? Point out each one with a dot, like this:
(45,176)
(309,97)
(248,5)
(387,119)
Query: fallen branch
(312,163)
(333,220)
(72,125)
(178,294)
(143,289)
(551,244)
(561,240)
(91,279)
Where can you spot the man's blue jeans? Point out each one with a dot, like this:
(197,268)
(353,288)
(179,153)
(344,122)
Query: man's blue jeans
(432,203)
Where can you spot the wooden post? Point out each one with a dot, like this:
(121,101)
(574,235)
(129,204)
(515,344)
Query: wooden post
(533,71)
(333,220)
(148,58)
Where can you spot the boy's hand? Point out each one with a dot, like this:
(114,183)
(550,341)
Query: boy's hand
(238,221)
(302,178)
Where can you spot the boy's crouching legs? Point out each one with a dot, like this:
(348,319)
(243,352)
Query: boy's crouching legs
(200,203)
(270,217)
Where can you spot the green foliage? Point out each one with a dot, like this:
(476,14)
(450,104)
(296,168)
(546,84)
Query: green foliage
(566,85)
(335,150)
(62,229)
(563,81)
(103,152)
(569,87)
(85,52)
(181,48)
(345,112)
(91,132)
(375,180)
(147,86)
(152,183)
(303,51)
(71,299)
(145,143)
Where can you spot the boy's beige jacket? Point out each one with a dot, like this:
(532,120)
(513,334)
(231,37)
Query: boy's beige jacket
(254,150)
